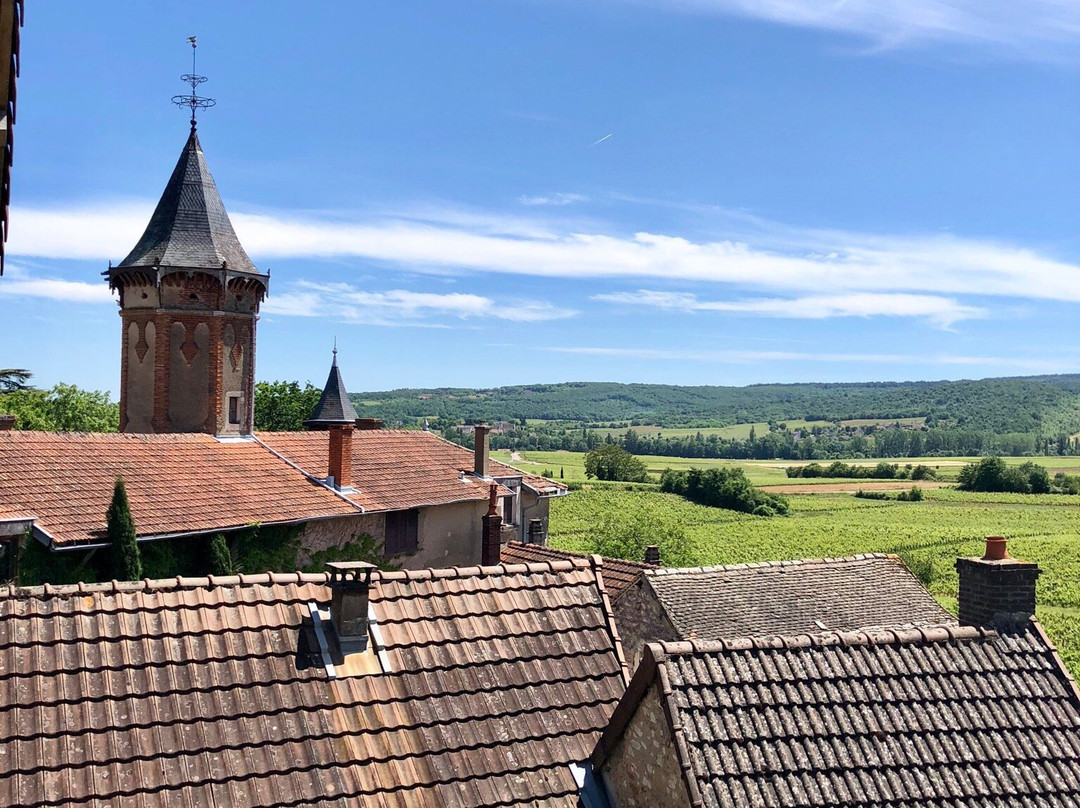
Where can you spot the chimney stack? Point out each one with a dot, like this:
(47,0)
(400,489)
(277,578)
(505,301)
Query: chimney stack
(350,584)
(7,423)
(652,555)
(535,533)
(996,591)
(482,448)
(491,532)
(365,424)
(340,465)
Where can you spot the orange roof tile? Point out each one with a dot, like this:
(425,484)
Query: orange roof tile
(396,469)
(175,483)
(189,483)
(618,573)
(205,692)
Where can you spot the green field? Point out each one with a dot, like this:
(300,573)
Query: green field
(928,535)
(762,472)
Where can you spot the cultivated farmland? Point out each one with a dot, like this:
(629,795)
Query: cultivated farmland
(928,535)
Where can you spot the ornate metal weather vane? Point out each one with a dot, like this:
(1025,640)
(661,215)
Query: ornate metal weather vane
(193,101)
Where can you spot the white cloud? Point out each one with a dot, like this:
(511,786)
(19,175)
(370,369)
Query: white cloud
(402,307)
(1025,28)
(17,283)
(785,260)
(557,199)
(941,311)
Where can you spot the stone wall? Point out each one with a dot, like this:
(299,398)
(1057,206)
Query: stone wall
(640,619)
(323,534)
(643,770)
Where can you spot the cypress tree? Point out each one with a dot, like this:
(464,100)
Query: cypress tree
(120,529)
(221,561)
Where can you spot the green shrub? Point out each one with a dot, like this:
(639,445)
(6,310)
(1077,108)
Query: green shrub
(721,488)
(123,541)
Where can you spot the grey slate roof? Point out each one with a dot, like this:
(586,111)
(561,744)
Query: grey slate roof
(334,406)
(793,597)
(944,716)
(190,227)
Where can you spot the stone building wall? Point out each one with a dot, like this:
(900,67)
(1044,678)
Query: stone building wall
(643,770)
(641,619)
(323,534)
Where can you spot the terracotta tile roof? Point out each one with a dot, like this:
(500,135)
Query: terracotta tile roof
(175,483)
(618,573)
(198,692)
(794,597)
(395,469)
(943,716)
(181,483)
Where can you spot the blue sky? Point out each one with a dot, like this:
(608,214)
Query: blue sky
(517,191)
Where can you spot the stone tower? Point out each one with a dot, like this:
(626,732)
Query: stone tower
(189,303)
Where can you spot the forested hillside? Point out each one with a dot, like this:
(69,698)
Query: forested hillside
(1048,405)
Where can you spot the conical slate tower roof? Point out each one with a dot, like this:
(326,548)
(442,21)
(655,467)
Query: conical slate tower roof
(190,227)
(334,407)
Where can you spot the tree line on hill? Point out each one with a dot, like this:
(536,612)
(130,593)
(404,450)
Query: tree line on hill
(1035,404)
(882,471)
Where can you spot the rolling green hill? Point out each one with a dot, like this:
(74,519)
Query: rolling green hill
(1046,404)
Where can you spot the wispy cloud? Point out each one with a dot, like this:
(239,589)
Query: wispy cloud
(557,199)
(1025,28)
(735,357)
(17,283)
(941,311)
(790,261)
(402,307)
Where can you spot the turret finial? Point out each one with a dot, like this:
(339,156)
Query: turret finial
(193,101)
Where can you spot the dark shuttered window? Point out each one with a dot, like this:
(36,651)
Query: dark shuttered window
(401,531)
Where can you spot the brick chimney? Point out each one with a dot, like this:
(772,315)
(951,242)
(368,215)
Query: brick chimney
(652,555)
(7,423)
(340,465)
(350,583)
(481,450)
(367,424)
(491,532)
(996,591)
(535,533)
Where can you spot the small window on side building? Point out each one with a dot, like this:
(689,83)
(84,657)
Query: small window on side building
(402,532)
(234,409)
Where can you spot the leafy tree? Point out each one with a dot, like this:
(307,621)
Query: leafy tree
(221,560)
(992,474)
(626,534)
(283,406)
(64,408)
(722,488)
(120,530)
(610,462)
(12,379)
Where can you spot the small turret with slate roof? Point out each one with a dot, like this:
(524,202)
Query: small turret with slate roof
(334,407)
(189,301)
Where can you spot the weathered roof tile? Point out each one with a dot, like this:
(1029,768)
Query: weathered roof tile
(794,597)
(200,692)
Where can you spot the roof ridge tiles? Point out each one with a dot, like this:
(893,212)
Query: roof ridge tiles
(757,565)
(884,636)
(285,578)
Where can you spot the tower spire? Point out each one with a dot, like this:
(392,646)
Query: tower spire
(193,102)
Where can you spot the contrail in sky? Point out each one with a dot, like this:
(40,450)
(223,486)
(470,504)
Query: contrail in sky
(605,137)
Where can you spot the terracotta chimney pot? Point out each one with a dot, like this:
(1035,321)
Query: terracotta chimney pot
(996,549)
